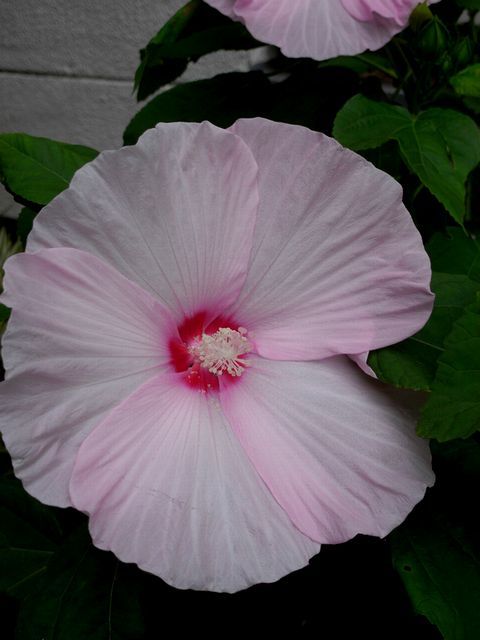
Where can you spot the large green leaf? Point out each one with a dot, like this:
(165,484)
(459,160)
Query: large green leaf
(453,409)
(436,551)
(467,82)
(412,363)
(68,589)
(25,223)
(84,593)
(444,356)
(441,575)
(366,124)
(441,146)
(467,85)
(221,100)
(469,4)
(148,80)
(362,63)
(29,536)
(4,314)
(193,31)
(457,464)
(37,169)
(455,252)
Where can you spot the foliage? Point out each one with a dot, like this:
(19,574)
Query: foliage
(440,146)
(436,550)
(413,109)
(35,170)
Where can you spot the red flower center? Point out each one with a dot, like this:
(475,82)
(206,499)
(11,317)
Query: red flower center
(203,352)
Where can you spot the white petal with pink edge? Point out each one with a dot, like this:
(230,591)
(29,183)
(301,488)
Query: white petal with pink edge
(174,213)
(337,264)
(337,449)
(81,337)
(167,486)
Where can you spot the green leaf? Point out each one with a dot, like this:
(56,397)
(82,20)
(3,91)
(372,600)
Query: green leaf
(472,103)
(467,85)
(441,575)
(457,462)
(193,31)
(25,223)
(362,63)
(455,252)
(441,146)
(420,15)
(84,593)
(467,82)
(147,80)
(227,36)
(310,97)
(412,364)
(445,355)
(469,4)
(366,124)
(453,409)
(29,536)
(37,169)
(221,100)
(4,314)
(436,551)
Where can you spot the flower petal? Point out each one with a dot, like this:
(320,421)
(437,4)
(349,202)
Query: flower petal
(81,336)
(318,29)
(337,449)
(321,29)
(370,10)
(167,486)
(361,360)
(337,264)
(174,213)
(225,6)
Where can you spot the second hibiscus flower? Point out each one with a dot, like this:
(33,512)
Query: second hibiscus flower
(321,29)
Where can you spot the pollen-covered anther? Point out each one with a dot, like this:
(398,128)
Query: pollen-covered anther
(221,351)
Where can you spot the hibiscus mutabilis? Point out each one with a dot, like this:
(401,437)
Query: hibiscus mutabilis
(321,29)
(177,359)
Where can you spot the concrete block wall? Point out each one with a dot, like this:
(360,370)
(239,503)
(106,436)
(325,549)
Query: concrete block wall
(66,68)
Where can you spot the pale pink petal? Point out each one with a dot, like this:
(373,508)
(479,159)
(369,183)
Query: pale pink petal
(174,213)
(168,486)
(80,338)
(337,449)
(318,29)
(321,29)
(360,360)
(337,264)
(225,6)
(368,10)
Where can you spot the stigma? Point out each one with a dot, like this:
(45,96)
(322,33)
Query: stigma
(222,352)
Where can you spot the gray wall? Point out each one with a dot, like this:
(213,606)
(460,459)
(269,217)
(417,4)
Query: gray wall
(66,67)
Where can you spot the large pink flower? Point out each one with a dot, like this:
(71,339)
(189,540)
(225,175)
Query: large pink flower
(175,356)
(321,29)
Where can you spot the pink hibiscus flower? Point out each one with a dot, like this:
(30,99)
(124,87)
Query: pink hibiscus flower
(175,355)
(321,29)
